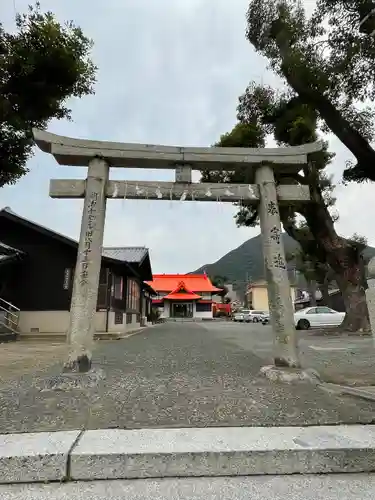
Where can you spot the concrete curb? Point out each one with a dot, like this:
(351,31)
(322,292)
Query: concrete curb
(191,452)
(35,457)
(137,330)
(358,392)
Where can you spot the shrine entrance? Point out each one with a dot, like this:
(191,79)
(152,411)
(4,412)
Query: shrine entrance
(268,169)
(181,310)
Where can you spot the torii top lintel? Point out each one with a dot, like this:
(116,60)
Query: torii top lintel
(79,152)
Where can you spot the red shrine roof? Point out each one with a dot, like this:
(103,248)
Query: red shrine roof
(191,283)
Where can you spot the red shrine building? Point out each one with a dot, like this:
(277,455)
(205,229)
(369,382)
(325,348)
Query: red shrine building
(183,295)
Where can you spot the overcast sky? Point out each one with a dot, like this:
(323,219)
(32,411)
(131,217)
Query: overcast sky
(170,72)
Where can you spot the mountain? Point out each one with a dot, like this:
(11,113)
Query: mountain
(245,263)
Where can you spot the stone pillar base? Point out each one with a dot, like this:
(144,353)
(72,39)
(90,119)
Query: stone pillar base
(290,375)
(143,321)
(68,381)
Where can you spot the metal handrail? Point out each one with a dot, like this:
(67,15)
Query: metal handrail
(9,304)
(10,323)
(13,313)
(11,317)
(10,313)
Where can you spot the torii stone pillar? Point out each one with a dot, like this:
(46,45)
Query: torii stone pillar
(370,295)
(279,295)
(86,277)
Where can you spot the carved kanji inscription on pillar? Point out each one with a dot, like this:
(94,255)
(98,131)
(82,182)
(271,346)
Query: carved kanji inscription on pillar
(275,234)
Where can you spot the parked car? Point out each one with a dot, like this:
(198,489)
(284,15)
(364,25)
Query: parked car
(241,315)
(317,316)
(255,316)
(265,319)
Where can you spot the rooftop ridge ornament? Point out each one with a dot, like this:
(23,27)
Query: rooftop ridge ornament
(260,190)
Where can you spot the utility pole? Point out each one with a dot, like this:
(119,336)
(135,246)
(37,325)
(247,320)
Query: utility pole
(247,281)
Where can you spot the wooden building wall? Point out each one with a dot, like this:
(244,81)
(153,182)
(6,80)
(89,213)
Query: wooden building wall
(44,279)
(37,283)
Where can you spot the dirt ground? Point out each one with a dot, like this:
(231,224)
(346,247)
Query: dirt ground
(24,358)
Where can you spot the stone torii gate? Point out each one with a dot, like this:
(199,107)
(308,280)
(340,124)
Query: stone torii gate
(100,156)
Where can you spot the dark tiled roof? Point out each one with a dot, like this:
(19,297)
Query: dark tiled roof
(36,225)
(133,255)
(122,254)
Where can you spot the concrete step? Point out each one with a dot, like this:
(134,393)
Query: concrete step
(6,328)
(8,337)
(191,452)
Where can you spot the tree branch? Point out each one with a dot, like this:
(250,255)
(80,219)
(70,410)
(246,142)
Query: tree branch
(341,127)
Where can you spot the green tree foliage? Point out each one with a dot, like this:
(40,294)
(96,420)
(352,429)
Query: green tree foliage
(42,64)
(219,282)
(291,122)
(327,61)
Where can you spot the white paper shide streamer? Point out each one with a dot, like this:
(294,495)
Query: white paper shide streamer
(115,191)
(251,191)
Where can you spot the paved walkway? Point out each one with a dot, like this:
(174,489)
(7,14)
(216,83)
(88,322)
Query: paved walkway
(173,375)
(336,487)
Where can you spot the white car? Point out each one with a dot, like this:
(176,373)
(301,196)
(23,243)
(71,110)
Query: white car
(255,316)
(265,318)
(241,315)
(317,316)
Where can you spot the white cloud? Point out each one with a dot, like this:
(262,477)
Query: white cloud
(170,72)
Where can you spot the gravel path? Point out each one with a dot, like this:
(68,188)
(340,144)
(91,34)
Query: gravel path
(172,375)
(344,359)
(18,359)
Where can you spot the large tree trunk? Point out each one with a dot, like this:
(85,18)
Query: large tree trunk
(324,278)
(311,288)
(347,265)
(352,288)
(343,256)
(326,298)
